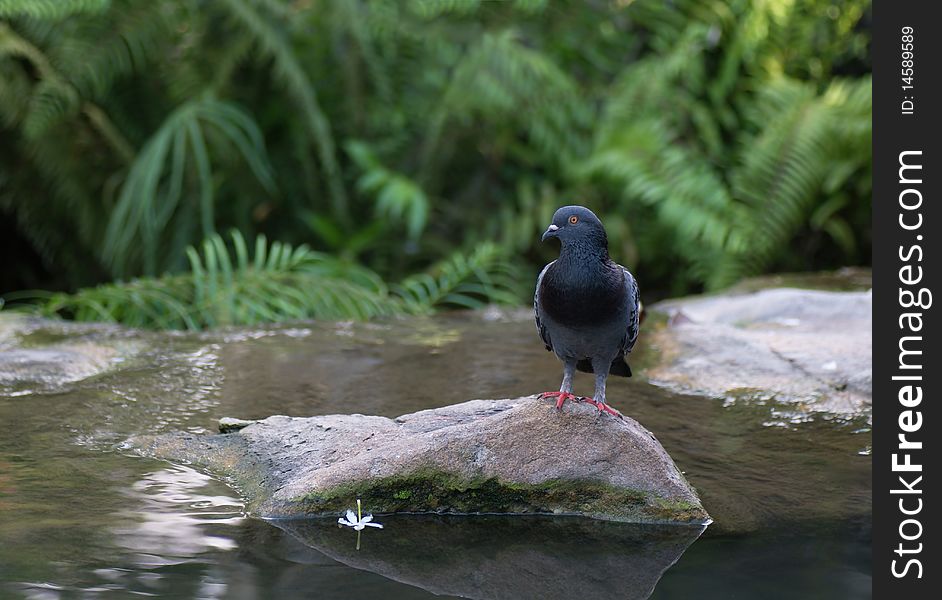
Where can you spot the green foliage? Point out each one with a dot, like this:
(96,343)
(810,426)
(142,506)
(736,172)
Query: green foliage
(716,140)
(148,212)
(463,281)
(736,159)
(289,71)
(808,143)
(229,285)
(521,88)
(732,225)
(398,198)
(49,9)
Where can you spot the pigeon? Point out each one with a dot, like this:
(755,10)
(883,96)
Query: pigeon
(587,306)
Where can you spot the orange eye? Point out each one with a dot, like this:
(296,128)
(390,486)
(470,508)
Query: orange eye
(573,220)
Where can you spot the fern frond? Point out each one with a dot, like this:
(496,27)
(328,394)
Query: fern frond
(352,18)
(428,9)
(807,140)
(54,98)
(467,281)
(225,285)
(521,85)
(651,166)
(50,9)
(131,39)
(398,198)
(733,173)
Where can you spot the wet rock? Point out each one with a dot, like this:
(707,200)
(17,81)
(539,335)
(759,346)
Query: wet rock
(482,456)
(501,557)
(810,347)
(845,279)
(230,424)
(43,355)
(64,364)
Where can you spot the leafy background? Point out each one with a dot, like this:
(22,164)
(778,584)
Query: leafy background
(194,163)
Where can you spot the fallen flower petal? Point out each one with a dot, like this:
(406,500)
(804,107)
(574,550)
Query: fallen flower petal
(358,520)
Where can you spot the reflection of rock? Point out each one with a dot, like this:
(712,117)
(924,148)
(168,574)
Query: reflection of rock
(810,347)
(490,456)
(167,512)
(505,557)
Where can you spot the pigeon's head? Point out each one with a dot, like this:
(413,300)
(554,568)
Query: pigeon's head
(577,225)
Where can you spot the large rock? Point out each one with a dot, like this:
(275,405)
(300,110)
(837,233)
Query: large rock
(482,456)
(810,347)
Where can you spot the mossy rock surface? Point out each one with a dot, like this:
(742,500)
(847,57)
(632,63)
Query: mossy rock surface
(518,456)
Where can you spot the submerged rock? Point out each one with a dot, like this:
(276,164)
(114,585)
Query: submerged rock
(482,456)
(42,355)
(810,347)
(59,365)
(502,557)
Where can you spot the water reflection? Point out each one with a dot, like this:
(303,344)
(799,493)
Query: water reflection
(168,515)
(498,557)
(174,522)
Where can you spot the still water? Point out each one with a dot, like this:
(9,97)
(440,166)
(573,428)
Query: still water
(83,516)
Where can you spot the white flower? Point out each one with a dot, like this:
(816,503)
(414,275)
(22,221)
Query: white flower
(357,520)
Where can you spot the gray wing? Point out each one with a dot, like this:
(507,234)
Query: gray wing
(537,311)
(634,312)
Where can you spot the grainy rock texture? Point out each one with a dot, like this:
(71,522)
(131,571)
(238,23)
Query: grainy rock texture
(482,456)
(811,347)
(500,557)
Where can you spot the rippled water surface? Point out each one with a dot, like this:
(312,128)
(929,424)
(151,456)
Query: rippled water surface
(81,516)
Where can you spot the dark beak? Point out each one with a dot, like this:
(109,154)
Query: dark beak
(550,232)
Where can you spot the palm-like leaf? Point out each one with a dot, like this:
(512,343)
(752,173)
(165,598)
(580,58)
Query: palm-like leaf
(152,195)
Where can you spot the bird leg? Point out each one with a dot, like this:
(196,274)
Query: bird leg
(598,400)
(561,398)
(603,407)
(565,388)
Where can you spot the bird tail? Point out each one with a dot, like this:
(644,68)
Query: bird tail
(619,367)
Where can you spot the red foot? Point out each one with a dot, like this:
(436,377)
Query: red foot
(561,398)
(604,408)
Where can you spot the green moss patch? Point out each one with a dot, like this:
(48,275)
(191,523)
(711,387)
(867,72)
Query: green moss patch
(434,491)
